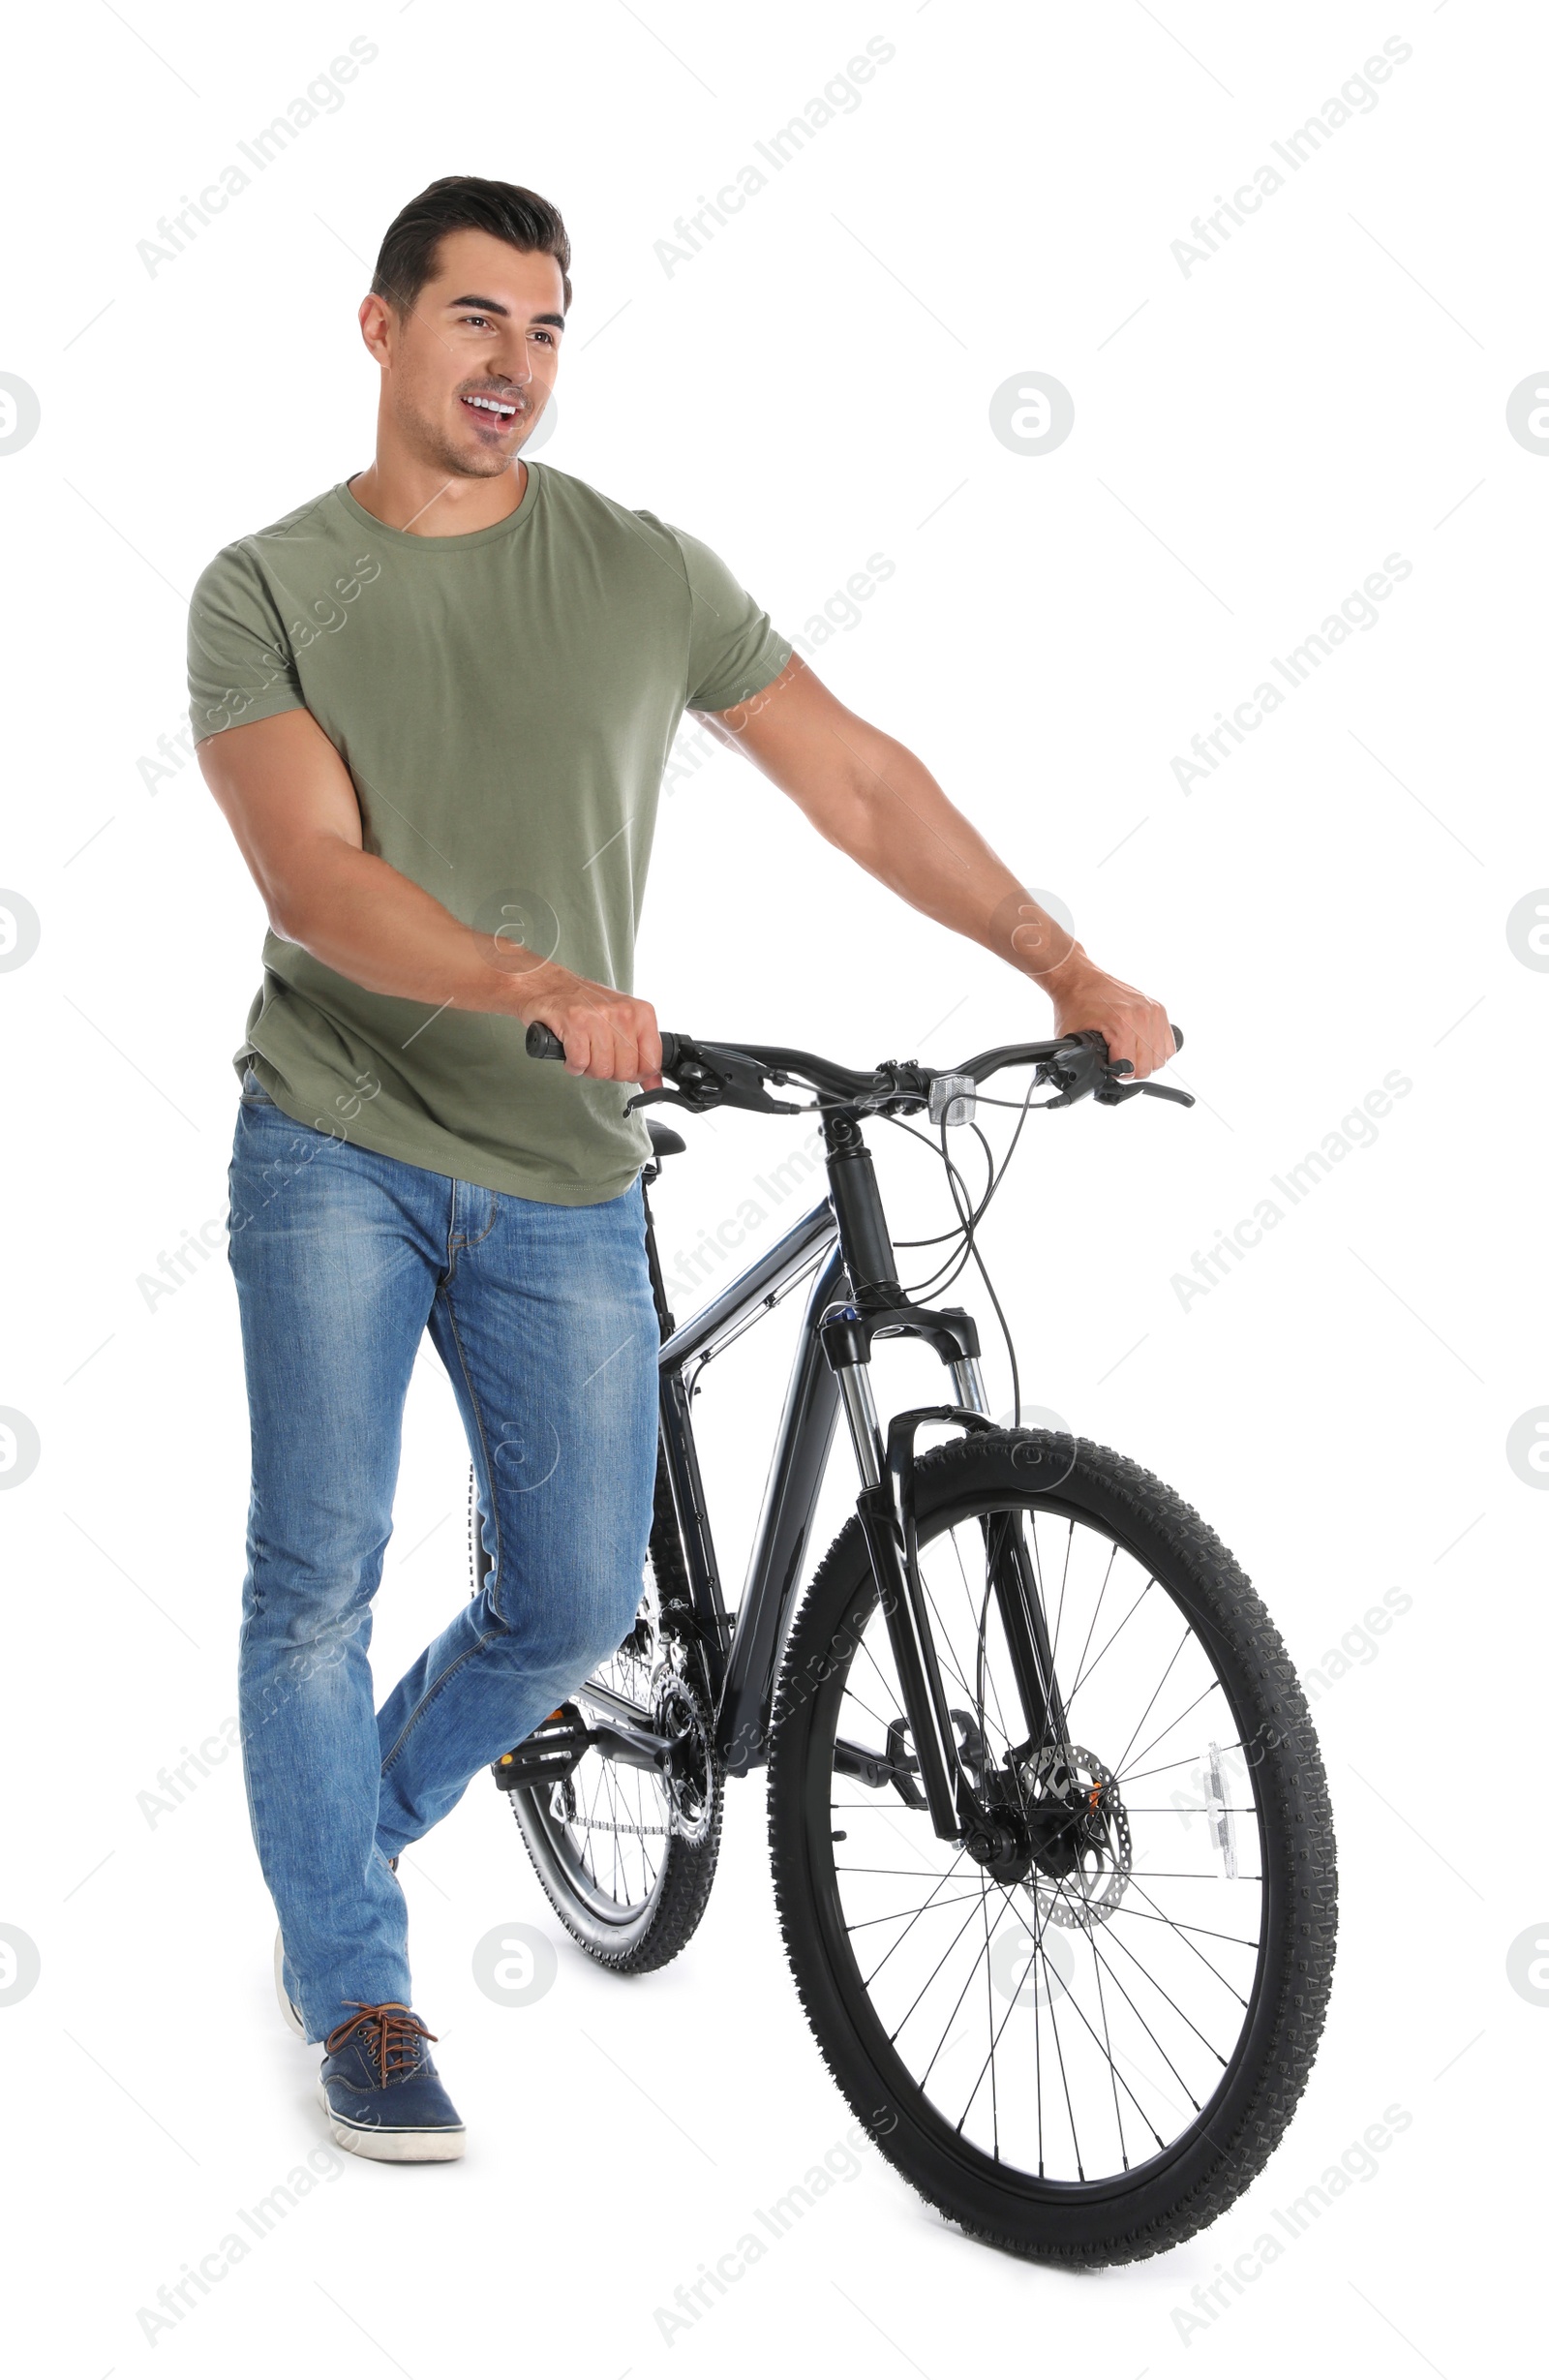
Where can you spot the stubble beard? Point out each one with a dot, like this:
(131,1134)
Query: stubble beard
(437,448)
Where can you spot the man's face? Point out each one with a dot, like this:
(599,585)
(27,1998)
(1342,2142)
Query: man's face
(469,370)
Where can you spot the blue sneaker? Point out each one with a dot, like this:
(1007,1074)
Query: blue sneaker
(383,2096)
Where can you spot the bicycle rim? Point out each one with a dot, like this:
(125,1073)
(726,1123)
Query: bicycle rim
(1077,2026)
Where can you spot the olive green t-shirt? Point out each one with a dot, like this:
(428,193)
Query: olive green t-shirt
(505,702)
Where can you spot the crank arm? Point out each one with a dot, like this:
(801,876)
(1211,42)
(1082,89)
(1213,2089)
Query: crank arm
(619,1737)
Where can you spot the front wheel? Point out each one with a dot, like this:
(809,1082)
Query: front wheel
(1089,2060)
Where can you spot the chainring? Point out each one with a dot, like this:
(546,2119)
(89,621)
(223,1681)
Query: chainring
(679,1710)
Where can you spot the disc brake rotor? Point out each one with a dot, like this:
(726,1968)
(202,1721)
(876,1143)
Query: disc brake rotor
(1093,1890)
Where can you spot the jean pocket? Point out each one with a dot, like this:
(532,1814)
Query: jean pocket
(254,1094)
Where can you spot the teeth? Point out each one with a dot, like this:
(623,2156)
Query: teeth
(490,405)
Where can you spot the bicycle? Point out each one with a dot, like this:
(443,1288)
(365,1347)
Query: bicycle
(1072,1982)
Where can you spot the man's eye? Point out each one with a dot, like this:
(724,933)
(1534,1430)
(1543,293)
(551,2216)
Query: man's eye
(481,319)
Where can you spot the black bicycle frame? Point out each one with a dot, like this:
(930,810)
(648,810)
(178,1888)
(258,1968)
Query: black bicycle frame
(855,1296)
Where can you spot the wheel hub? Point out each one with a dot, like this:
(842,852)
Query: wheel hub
(1080,1836)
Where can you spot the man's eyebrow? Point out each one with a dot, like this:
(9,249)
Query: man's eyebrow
(493,305)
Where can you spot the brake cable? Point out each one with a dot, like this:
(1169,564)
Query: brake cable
(969,1218)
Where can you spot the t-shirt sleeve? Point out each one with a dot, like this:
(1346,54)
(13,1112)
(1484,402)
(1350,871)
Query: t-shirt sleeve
(733,650)
(240,665)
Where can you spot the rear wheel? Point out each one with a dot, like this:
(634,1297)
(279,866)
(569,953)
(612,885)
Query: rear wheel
(1087,2061)
(627,1857)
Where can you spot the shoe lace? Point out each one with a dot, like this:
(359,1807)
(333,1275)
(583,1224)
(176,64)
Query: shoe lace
(389,2033)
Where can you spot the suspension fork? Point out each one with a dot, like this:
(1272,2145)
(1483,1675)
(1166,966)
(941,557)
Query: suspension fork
(885,1508)
(1019,1600)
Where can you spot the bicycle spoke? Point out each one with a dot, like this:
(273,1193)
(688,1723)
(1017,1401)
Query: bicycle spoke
(1059,2052)
(1127,2039)
(1081,1664)
(1083,1674)
(926,1986)
(914,1921)
(1212,1933)
(1117,2077)
(1172,2004)
(1187,1637)
(988,2067)
(892,1915)
(1212,1689)
(1140,2019)
(1184,1932)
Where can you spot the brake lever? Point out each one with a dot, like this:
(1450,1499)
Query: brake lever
(709,1076)
(1114,1092)
(1081,1077)
(1094,1074)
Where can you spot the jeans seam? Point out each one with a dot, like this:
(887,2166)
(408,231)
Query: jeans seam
(444,1292)
(477,1411)
(456,1240)
(494,1198)
(430,1694)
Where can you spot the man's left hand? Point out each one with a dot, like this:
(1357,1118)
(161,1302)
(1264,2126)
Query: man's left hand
(1133,1026)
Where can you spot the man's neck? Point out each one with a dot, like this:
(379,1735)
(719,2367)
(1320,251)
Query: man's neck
(410,496)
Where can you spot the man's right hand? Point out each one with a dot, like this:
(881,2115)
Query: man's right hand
(606,1034)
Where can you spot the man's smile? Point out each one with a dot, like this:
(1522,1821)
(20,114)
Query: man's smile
(494,412)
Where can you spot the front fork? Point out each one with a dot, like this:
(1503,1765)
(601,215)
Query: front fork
(886,1509)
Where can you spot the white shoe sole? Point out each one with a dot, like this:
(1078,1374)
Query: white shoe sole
(389,2147)
(288,2007)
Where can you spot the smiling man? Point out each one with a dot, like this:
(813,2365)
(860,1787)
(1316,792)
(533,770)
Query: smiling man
(434,704)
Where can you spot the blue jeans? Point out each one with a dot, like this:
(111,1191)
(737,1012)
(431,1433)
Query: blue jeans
(544,1319)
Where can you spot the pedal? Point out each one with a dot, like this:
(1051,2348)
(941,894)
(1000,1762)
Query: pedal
(547,1755)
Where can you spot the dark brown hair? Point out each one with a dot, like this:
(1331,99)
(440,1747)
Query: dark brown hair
(466,202)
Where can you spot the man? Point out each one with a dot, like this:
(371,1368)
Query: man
(434,704)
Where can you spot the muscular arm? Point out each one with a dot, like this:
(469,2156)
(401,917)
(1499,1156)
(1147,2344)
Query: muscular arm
(288,799)
(869,794)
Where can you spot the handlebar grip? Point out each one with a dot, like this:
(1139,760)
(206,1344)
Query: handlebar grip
(1177,1034)
(543,1042)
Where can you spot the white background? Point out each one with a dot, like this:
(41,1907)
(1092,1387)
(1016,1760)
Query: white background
(1251,438)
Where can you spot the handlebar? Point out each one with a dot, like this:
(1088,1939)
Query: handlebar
(711,1075)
